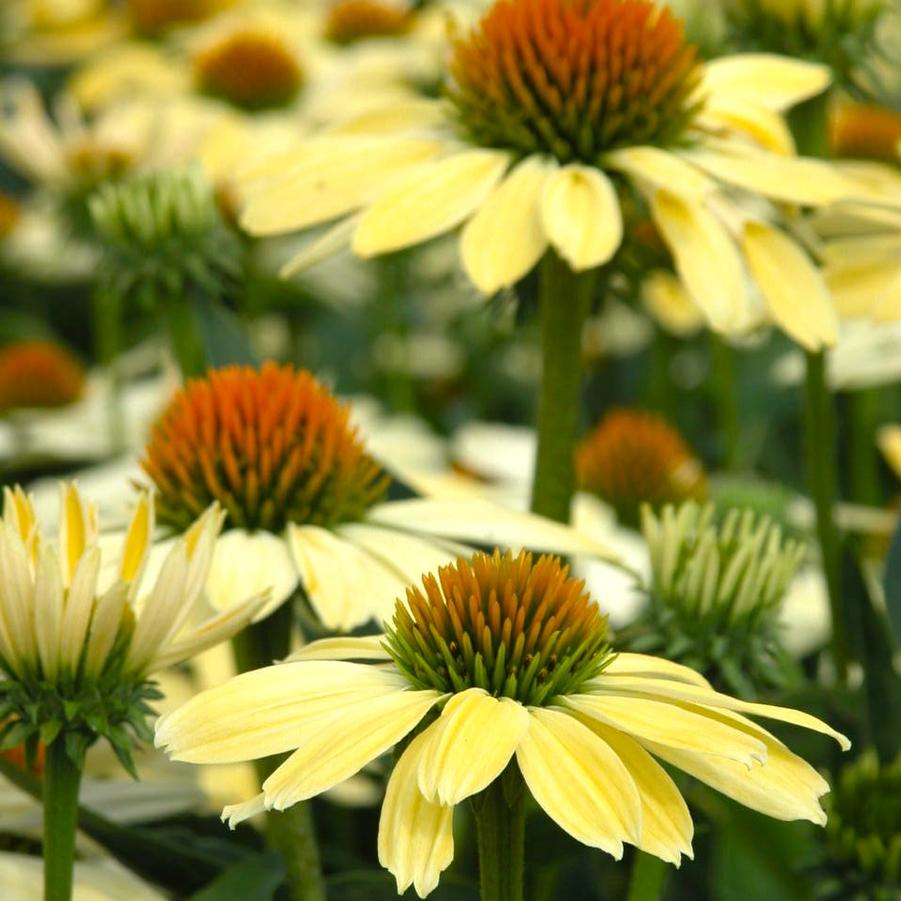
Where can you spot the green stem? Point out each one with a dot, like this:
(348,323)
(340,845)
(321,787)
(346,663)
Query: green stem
(185,338)
(724,398)
(649,875)
(61,780)
(108,345)
(392,322)
(820,445)
(565,301)
(500,813)
(864,406)
(291,832)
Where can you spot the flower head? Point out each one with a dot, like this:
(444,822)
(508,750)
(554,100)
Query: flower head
(271,445)
(574,79)
(38,374)
(864,130)
(348,21)
(153,17)
(715,593)
(254,68)
(76,646)
(583,748)
(633,457)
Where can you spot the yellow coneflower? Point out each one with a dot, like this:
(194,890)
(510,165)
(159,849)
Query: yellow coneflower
(540,136)
(864,130)
(305,502)
(38,374)
(152,17)
(634,457)
(497,680)
(348,21)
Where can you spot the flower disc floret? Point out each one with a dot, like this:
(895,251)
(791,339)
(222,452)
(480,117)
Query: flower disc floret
(633,457)
(499,623)
(251,68)
(574,78)
(271,445)
(38,374)
(349,21)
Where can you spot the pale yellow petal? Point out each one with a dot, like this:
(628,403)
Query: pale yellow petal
(327,179)
(765,126)
(77,528)
(17,595)
(233,814)
(470,745)
(328,244)
(706,259)
(889,440)
(344,647)
(336,746)
(505,239)
(668,724)
(137,540)
(579,781)
(48,610)
(581,216)
(665,297)
(105,627)
(267,711)
(657,169)
(625,664)
(79,608)
(793,287)
(789,179)
(776,82)
(416,836)
(666,826)
(433,199)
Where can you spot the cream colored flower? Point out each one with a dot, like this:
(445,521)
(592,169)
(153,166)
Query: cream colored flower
(513,658)
(528,169)
(306,503)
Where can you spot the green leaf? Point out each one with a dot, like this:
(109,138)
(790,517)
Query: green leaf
(256,877)
(50,730)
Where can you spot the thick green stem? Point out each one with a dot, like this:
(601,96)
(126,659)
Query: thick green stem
(820,445)
(864,407)
(61,780)
(291,832)
(565,301)
(723,385)
(649,875)
(108,346)
(500,813)
(185,338)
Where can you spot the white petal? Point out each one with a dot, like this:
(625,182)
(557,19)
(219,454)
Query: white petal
(504,239)
(794,289)
(484,523)
(105,627)
(17,596)
(470,745)
(579,781)
(416,836)
(581,216)
(48,610)
(432,200)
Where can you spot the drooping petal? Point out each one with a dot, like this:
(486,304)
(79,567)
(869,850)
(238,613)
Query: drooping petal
(329,178)
(505,239)
(416,836)
(433,199)
(581,216)
(765,126)
(579,781)
(247,564)
(670,725)
(346,586)
(331,242)
(268,711)
(785,787)
(626,664)
(776,82)
(336,746)
(658,169)
(238,813)
(344,647)
(482,522)
(706,697)
(469,745)
(706,259)
(794,289)
(666,826)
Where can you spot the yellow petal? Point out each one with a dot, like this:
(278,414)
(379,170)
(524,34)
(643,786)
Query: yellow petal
(666,299)
(762,125)
(625,664)
(335,747)
(17,597)
(268,711)
(789,179)
(889,440)
(330,178)
(470,745)
(48,610)
(579,781)
(416,837)
(77,528)
(433,199)
(105,628)
(581,216)
(322,247)
(666,826)
(659,169)
(669,724)
(785,787)
(137,540)
(505,238)
(78,609)
(794,289)
(706,259)
(776,82)
(238,813)
(345,647)
(19,510)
